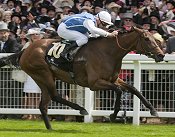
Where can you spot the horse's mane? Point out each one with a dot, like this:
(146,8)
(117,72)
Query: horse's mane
(121,31)
(138,26)
(94,38)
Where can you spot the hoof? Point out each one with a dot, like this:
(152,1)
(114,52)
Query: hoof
(154,113)
(49,128)
(112,118)
(83,112)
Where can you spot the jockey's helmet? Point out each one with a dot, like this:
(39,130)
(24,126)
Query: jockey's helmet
(105,17)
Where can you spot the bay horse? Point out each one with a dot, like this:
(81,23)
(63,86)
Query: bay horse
(96,65)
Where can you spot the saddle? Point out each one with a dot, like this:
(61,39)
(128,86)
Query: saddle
(61,54)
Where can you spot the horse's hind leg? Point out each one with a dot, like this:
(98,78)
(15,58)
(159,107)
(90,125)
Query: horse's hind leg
(49,83)
(75,106)
(46,82)
(134,91)
(45,99)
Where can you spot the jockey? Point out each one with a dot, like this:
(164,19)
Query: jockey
(77,27)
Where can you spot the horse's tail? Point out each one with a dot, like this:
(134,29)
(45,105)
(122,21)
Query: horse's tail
(12,59)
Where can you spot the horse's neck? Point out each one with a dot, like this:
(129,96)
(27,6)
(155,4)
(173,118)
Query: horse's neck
(119,46)
(128,42)
(110,48)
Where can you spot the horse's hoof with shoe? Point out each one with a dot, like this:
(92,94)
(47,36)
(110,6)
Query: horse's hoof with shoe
(154,113)
(112,117)
(83,112)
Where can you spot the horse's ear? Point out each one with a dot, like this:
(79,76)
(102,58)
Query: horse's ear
(135,28)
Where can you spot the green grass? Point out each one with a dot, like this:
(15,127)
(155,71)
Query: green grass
(21,128)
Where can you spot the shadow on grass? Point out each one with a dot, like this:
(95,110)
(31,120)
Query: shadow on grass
(42,131)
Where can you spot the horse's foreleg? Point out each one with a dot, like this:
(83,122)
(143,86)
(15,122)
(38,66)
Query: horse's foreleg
(117,105)
(134,91)
(101,84)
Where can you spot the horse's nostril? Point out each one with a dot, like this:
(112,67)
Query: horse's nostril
(161,56)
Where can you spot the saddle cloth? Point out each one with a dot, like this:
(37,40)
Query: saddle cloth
(53,56)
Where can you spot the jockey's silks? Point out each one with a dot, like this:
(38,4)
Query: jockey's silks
(75,22)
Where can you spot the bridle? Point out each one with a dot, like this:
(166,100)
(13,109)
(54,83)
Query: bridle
(141,41)
(140,44)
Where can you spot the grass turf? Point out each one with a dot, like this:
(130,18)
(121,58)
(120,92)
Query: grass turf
(21,128)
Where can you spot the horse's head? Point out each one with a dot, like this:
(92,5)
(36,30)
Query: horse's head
(148,45)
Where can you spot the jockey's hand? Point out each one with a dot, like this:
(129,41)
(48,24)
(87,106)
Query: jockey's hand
(113,34)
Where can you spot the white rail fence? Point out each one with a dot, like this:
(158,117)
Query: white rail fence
(156,81)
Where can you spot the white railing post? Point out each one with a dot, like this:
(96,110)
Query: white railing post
(137,83)
(89,104)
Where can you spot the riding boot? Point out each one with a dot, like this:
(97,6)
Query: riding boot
(68,51)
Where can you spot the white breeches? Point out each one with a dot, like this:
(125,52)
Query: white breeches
(72,35)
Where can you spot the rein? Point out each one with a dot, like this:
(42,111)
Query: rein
(120,45)
(125,49)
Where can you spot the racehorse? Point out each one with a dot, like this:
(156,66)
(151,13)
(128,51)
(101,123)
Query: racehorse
(95,65)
